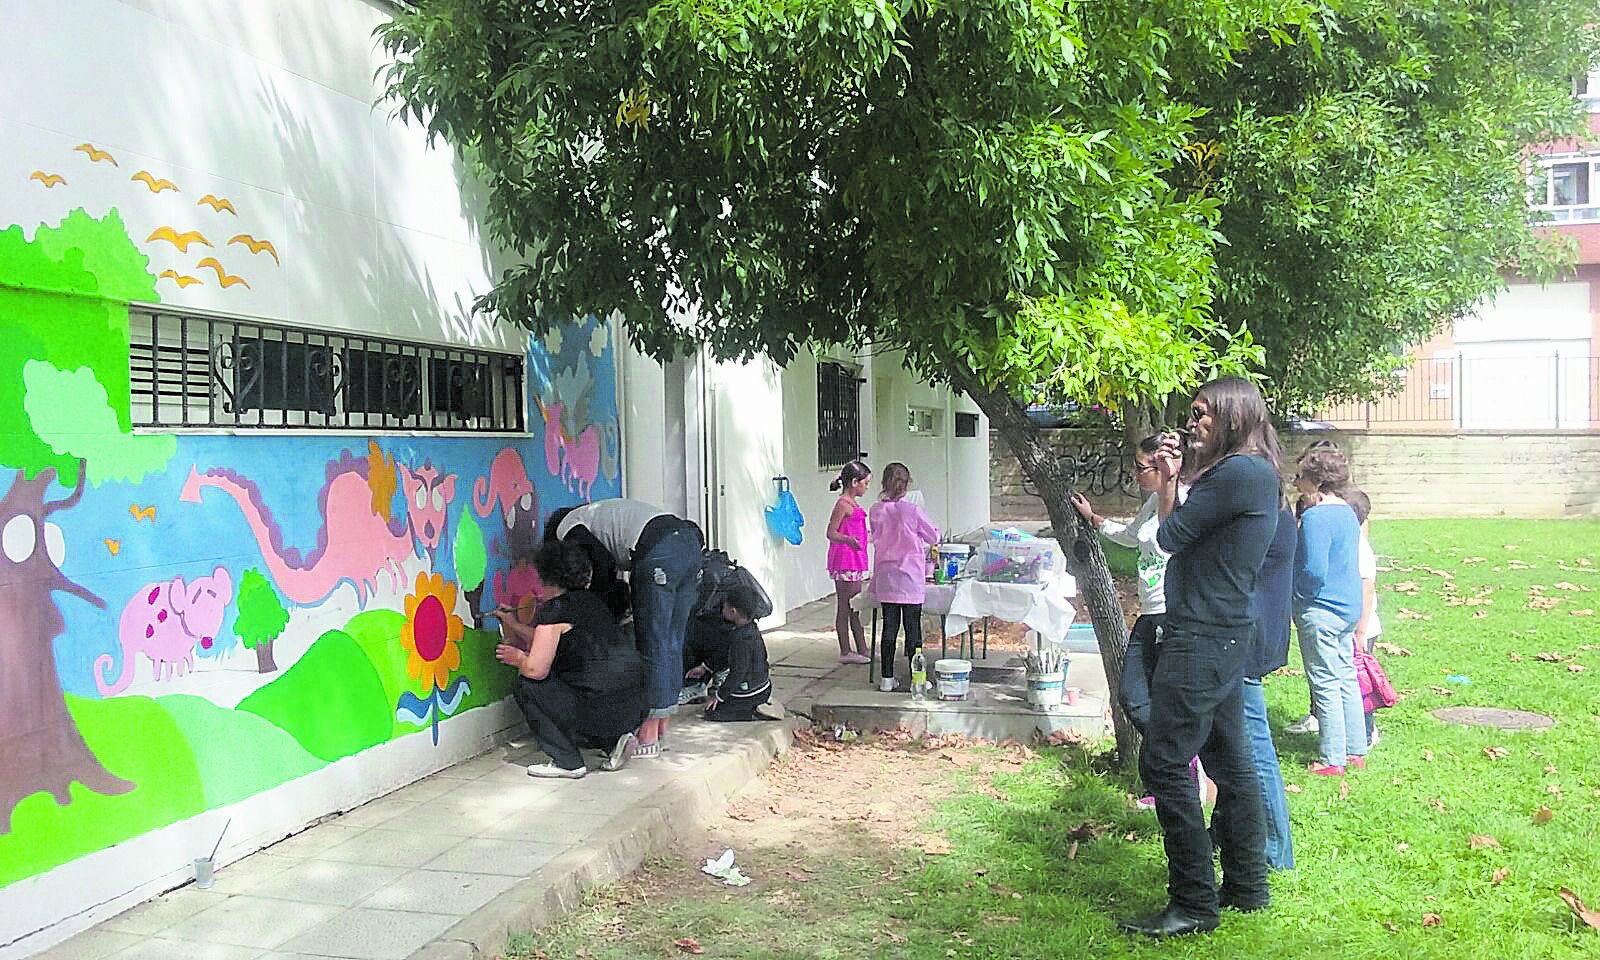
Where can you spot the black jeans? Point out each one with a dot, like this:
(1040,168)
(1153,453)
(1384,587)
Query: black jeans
(893,614)
(1144,650)
(739,709)
(564,719)
(1197,707)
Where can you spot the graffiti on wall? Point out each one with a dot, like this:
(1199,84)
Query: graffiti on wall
(186,622)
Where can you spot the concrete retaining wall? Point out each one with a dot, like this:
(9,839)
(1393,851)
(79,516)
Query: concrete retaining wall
(1457,474)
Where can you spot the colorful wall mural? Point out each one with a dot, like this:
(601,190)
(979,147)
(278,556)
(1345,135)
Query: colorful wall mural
(189,621)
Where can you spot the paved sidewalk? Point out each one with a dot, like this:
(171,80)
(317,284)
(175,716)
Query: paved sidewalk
(445,868)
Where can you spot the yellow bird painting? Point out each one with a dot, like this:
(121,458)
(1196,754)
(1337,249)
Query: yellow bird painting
(224,279)
(48,179)
(180,279)
(142,513)
(115,546)
(217,203)
(256,246)
(94,153)
(155,185)
(179,240)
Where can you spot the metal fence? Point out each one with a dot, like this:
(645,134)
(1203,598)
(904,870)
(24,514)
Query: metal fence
(1536,390)
(199,371)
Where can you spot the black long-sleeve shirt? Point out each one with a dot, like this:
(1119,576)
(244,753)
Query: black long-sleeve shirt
(1218,539)
(747,665)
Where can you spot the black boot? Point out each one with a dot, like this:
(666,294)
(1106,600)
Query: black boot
(1174,921)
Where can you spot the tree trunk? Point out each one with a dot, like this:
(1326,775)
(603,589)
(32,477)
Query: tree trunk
(41,744)
(264,661)
(1086,561)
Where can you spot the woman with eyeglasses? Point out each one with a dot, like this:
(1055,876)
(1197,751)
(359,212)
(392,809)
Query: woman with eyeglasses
(1327,607)
(1139,533)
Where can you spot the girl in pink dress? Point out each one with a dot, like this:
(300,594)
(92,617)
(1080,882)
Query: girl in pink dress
(847,557)
(901,535)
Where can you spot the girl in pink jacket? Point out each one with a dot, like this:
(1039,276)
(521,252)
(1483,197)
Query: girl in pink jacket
(901,535)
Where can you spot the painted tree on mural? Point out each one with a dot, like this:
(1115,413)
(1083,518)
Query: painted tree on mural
(63,301)
(260,619)
(1018,196)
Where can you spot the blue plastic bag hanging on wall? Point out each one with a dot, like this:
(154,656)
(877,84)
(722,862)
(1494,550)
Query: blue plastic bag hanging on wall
(783,517)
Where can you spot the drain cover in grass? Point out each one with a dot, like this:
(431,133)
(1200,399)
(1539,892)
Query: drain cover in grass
(1494,717)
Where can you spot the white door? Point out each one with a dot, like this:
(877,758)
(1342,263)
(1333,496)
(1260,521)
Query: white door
(746,452)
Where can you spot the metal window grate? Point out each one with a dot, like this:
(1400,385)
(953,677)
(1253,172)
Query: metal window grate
(966,424)
(838,415)
(189,370)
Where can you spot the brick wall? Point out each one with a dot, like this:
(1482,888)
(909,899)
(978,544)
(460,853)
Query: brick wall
(1459,474)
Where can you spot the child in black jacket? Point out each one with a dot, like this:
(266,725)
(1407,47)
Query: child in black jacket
(748,684)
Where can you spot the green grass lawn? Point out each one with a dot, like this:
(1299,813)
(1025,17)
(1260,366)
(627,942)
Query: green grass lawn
(1435,850)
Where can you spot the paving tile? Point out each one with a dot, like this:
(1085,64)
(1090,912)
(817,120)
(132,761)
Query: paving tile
(474,768)
(313,841)
(326,882)
(422,790)
(159,948)
(512,858)
(154,916)
(391,848)
(569,826)
(93,944)
(376,813)
(436,891)
(250,922)
(245,874)
(371,934)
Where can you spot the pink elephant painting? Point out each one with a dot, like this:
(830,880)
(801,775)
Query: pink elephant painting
(164,621)
(508,485)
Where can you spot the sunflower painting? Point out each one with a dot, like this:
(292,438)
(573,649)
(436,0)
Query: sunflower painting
(432,638)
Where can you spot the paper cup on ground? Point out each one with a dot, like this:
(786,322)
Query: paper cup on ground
(204,872)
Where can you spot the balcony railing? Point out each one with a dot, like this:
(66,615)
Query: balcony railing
(1530,391)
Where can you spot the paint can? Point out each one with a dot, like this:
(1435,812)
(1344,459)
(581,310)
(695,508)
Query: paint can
(954,676)
(1046,689)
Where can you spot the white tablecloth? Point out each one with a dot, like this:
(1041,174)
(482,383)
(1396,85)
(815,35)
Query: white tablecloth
(1045,607)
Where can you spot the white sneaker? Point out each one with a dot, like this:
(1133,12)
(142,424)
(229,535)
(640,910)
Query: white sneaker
(1373,742)
(549,771)
(886,684)
(621,753)
(1307,724)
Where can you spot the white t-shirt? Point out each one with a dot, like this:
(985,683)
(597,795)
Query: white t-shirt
(1140,532)
(1367,564)
(616,523)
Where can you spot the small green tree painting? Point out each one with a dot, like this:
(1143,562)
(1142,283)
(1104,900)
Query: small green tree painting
(261,618)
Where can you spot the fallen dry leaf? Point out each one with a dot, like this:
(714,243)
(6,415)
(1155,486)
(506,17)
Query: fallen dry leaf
(689,945)
(1393,650)
(1413,615)
(1580,909)
(1543,815)
(1438,805)
(1480,841)
(934,846)
(1344,789)
(1402,847)
(1072,851)
(1549,657)
(1549,768)
(1513,656)
(1389,926)
(1553,788)
(1291,788)
(1479,614)
(1427,755)
(1576,668)
(1431,919)
(1473,559)
(1404,586)
(1499,876)
(1542,603)
(1496,753)
(1443,691)
(1586,612)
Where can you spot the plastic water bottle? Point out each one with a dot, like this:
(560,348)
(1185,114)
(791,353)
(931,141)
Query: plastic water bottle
(919,675)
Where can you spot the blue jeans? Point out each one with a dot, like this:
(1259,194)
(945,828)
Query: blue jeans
(666,583)
(1327,645)
(1280,847)
(1195,708)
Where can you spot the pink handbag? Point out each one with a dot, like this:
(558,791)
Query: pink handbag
(1376,691)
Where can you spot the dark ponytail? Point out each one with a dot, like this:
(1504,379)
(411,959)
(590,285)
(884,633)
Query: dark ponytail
(850,474)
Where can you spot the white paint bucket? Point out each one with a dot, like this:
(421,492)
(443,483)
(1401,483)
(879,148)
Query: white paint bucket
(954,676)
(1046,689)
(952,560)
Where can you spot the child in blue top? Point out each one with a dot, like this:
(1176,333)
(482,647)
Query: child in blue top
(1327,607)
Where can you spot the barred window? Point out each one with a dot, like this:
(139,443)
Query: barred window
(966,424)
(193,370)
(838,415)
